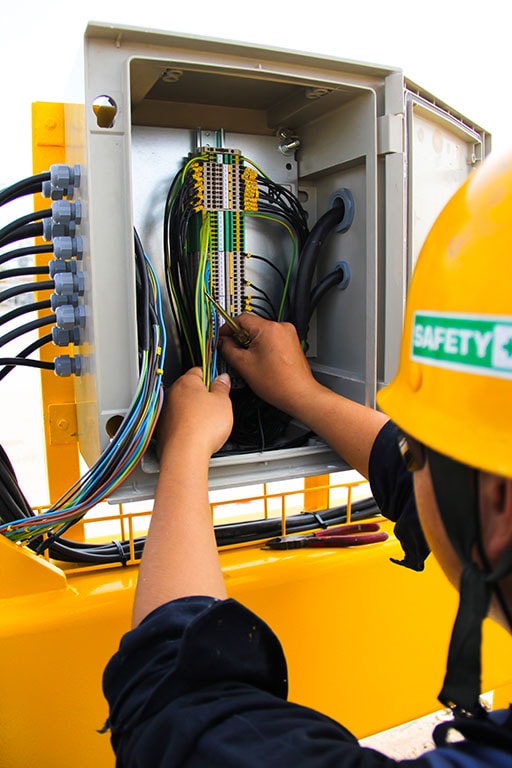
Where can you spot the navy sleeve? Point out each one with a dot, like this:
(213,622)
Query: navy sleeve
(393,491)
(201,683)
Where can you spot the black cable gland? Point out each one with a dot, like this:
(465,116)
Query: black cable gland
(69,317)
(65,212)
(61,337)
(66,247)
(343,197)
(67,366)
(67,283)
(52,230)
(64,179)
(60,299)
(59,266)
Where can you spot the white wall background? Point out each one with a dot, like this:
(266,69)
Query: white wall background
(459,51)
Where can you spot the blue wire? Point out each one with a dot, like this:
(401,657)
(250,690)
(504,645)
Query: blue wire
(148,394)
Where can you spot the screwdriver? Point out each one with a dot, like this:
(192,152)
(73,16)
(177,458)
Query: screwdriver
(241,335)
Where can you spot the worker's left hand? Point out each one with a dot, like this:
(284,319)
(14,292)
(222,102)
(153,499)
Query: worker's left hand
(194,417)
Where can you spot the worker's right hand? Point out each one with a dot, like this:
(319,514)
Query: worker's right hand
(194,416)
(273,365)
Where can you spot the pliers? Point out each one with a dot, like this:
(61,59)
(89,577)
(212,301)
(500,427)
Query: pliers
(347,535)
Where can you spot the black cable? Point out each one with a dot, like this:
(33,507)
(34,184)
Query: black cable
(29,250)
(240,533)
(264,297)
(143,300)
(10,480)
(24,309)
(23,233)
(275,199)
(17,290)
(323,286)
(10,361)
(270,263)
(226,535)
(261,310)
(7,274)
(28,186)
(37,344)
(301,308)
(23,220)
(39,322)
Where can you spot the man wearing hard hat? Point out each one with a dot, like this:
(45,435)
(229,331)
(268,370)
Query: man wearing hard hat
(200,680)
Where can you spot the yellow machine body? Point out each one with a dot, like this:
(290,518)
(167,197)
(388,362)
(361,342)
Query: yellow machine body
(365,640)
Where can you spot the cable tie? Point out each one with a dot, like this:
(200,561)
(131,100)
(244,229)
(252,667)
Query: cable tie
(160,371)
(321,522)
(123,557)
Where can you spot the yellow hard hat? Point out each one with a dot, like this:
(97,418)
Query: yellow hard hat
(453,390)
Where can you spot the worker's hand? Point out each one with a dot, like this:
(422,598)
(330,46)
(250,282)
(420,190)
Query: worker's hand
(194,416)
(273,365)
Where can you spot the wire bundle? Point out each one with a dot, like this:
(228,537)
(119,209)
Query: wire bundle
(208,204)
(126,448)
(193,246)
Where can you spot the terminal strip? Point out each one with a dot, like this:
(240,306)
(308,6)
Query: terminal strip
(225,188)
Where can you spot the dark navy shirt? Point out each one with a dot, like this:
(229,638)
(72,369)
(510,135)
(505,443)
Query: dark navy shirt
(202,683)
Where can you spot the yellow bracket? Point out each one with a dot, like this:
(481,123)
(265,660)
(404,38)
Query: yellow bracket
(62,423)
(50,145)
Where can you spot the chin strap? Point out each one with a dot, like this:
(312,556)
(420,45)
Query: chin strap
(461,687)
(456,490)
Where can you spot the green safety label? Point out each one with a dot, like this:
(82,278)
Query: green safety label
(474,343)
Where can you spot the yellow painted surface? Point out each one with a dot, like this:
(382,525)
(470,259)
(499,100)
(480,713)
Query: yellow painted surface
(365,641)
(317,494)
(51,144)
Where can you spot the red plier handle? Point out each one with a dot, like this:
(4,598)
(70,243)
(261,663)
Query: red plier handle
(348,535)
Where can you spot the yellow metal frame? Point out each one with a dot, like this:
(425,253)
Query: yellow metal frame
(49,146)
(365,639)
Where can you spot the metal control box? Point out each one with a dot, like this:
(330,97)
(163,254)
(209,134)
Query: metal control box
(314,126)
